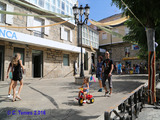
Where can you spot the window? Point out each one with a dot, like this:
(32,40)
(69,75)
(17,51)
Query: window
(53,2)
(41,3)
(58,6)
(38,31)
(63,6)
(104,36)
(21,51)
(47,6)
(2,16)
(53,9)
(65,60)
(116,30)
(90,37)
(86,61)
(126,30)
(67,34)
(58,3)
(67,9)
(127,51)
(34,1)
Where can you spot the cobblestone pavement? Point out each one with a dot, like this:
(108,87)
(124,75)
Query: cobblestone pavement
(149,112)
(54,99)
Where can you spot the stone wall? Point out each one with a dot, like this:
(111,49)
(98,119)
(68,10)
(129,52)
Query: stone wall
(52,61)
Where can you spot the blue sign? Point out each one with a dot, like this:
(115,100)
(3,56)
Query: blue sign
(8,34)
(135,47)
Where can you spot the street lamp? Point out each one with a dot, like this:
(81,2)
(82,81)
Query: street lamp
(78,15)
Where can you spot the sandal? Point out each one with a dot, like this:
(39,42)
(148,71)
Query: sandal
(14,99)
(18,97)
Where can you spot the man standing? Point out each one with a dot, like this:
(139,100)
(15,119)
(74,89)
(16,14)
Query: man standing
(107,68)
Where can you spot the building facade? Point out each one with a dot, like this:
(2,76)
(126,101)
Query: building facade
(120,51)
(90,41)
(45,52)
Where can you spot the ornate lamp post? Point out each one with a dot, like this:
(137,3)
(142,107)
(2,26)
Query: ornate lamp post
(78,16)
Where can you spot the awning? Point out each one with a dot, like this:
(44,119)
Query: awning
(22,38)
(111,23)
(131,58)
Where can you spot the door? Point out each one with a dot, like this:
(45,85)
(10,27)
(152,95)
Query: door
(1,62)
(93,62)
(37,63)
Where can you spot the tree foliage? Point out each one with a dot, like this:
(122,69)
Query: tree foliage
(148,12)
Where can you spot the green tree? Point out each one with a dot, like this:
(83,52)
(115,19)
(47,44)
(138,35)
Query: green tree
(148,12)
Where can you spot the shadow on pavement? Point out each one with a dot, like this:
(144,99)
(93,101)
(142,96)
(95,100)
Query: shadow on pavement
(10,113)
(48,97)
(71,103)
(125,86)
(131,77)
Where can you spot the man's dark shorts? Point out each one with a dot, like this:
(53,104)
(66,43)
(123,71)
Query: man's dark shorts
(105,76)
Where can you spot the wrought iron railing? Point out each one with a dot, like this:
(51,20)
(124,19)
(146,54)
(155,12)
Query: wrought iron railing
(129,107)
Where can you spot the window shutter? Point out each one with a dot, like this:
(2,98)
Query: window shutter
(62,33)
(9,18)
(30,21)
(46,29)
(71,36)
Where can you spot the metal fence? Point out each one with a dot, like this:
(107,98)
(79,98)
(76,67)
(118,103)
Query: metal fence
(129,107)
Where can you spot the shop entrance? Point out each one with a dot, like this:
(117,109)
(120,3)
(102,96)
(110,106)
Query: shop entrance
(1,62)
(37,63)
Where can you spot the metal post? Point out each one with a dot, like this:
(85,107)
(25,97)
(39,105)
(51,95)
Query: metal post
(151,65)
(81,72)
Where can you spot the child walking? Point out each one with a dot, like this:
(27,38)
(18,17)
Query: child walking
(85,87)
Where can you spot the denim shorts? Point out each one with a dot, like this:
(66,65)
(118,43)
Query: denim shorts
(99,77)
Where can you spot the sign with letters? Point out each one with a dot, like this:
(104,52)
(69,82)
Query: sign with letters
(7,34)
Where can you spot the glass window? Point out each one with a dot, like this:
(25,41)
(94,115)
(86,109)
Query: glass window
(47,6)
(21,51)
(71,11)
(65,60)
(53,8)
(63,6)
(67,2)
(62,12)
(67,9)
(2,16)
(53,2)
(58,3)
(58,11)
(38,31)
(41,3)
(34,1)
(66,34)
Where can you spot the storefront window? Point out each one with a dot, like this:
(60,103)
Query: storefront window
(65,60)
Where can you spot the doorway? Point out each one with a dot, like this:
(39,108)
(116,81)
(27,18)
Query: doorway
(1,62)
(37,63)
(93,62)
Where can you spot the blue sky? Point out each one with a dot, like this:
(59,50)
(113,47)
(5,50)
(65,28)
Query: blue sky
(100,9)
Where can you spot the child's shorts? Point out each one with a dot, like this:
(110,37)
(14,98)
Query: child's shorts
(86,90)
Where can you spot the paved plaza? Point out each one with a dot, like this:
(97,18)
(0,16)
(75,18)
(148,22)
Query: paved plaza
(54,99)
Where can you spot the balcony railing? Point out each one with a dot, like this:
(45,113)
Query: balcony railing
(38,34)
